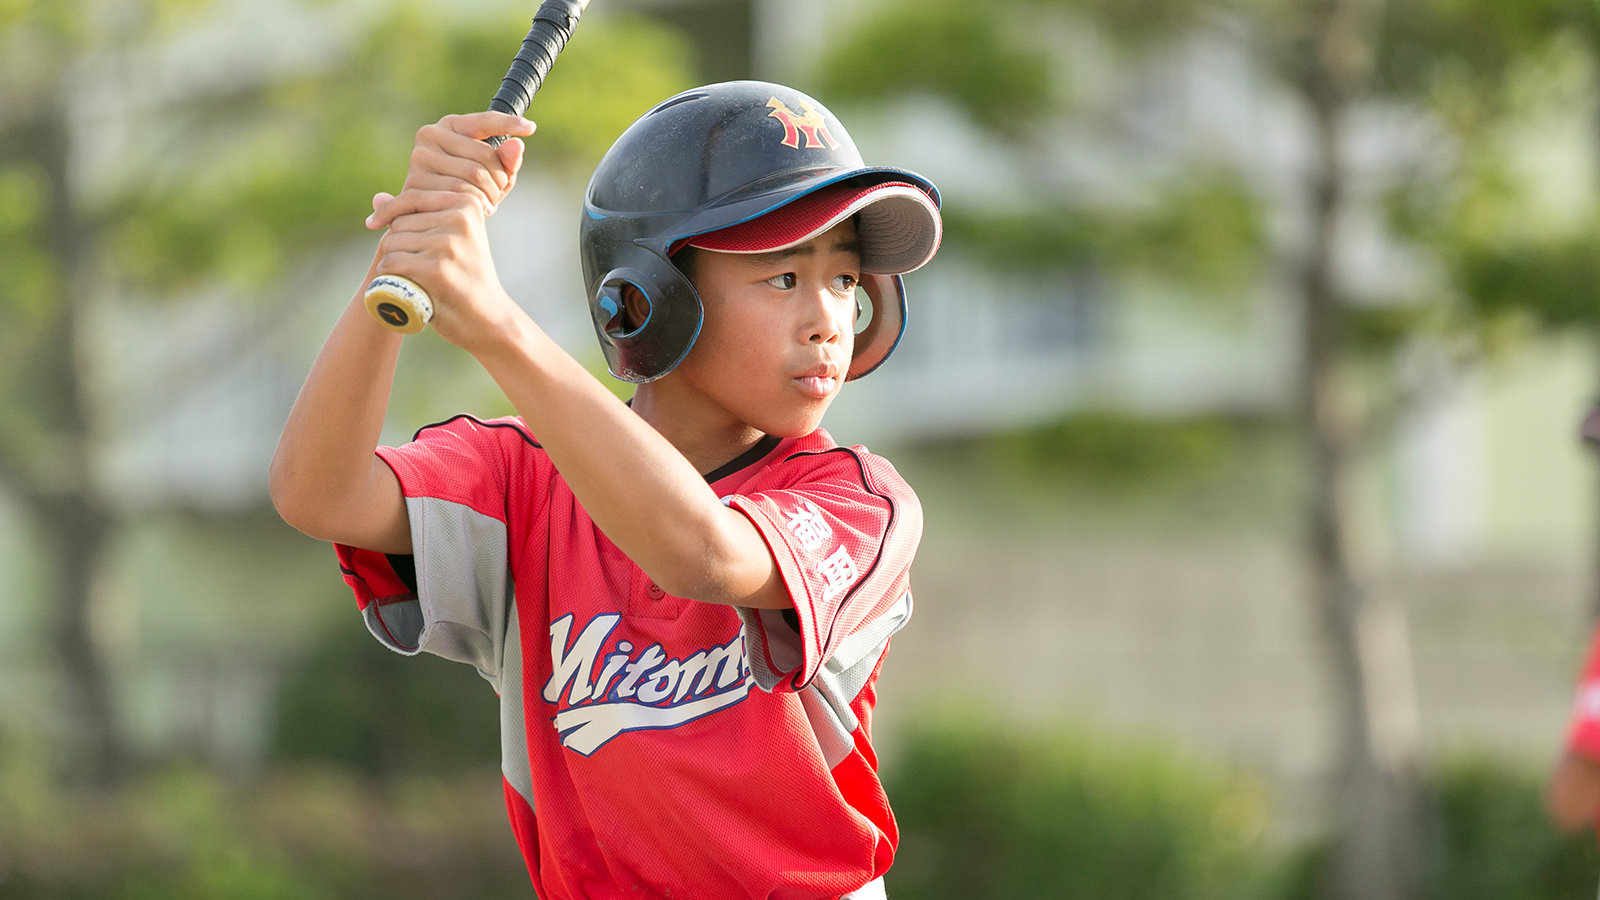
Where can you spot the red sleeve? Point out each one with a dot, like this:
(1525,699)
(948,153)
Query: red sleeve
(449,596)
(1583,728)
(843,527)
(463,460)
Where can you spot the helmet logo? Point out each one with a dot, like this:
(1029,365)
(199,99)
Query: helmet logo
(810,123)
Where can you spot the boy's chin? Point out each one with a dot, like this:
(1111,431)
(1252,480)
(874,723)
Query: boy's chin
(793,426)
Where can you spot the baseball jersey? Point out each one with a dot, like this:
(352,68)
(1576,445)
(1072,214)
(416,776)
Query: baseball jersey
(1583,726)
(654,746)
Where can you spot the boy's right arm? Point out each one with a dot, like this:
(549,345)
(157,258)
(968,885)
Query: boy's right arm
(325,479)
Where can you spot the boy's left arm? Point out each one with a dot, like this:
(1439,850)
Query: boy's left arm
(844,531)
(636,486)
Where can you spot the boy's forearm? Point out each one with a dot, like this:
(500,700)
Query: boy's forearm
(645,495)
(325,479)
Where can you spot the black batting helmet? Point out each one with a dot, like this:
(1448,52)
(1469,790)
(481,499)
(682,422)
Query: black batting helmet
(721,156)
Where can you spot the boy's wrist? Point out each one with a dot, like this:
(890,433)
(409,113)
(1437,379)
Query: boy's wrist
(506,337)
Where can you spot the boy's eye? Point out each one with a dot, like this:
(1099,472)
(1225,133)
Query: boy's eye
(784,282)
(845,284)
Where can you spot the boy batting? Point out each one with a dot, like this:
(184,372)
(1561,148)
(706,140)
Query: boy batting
(683,602)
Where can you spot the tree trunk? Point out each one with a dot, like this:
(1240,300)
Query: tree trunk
(1589,431)
(1378,845)
(74,521)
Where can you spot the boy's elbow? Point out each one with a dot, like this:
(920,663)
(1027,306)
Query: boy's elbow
(732,566)
(291,499)
(284,498)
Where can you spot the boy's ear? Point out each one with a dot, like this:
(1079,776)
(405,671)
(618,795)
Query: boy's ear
(635,308)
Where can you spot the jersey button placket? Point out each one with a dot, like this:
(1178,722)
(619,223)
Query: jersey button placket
(648,600)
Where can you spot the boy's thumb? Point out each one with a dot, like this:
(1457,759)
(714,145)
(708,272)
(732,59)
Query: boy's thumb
(511,154)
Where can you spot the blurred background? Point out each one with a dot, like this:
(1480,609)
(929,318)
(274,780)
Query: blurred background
(1243,401)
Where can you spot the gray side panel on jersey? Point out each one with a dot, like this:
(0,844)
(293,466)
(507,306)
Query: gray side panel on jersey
(513,715)
(783,644)
(857,655)
(463,594)
(826,699)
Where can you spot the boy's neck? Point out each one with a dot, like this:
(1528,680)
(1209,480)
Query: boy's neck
(709,441)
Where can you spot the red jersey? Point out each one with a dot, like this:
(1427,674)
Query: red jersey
(1583,728)
(654,746)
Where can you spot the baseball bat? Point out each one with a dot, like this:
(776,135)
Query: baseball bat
(400,303)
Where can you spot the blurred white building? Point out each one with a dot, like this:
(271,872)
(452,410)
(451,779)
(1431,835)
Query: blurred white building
(1486,464)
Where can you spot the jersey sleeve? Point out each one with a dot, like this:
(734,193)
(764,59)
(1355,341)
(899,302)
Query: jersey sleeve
(452,596)
(843,535)
(1583,725)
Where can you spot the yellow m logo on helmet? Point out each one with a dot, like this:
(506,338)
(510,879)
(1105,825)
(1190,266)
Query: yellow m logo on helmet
(810,123)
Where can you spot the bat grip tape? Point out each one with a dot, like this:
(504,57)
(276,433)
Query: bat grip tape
(552,26)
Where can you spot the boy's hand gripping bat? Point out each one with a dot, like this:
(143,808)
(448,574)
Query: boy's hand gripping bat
(402,304)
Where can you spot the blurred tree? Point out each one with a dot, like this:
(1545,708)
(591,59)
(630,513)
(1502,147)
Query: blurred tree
(233,172)
(1504,80)
(1454,64)
(1325,49)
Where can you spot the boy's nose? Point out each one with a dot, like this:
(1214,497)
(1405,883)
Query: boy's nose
(822,323)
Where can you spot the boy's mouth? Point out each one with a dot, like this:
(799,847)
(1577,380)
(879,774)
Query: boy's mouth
(819,381)
(817,386)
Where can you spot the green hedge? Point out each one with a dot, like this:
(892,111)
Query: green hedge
(987,812)
(991,813)
(1493,841)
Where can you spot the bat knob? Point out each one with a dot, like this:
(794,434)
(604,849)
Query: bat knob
(399,303)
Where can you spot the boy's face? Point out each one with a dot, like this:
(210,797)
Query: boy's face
(779,331)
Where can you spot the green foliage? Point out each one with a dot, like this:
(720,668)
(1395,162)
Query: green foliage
(353,703)
(33,277)
(991,812)
(960,51)
(1115,448)
(1497,76)
(304,834)
(1137,21)
(239,185)
(986,810)
(1000,812)
(1495,842)
(1425,46)
(1557,281)
(24,22)
(1468,39)
(1204,232)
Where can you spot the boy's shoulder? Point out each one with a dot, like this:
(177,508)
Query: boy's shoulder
(466,449)
(819,457)
(510,430)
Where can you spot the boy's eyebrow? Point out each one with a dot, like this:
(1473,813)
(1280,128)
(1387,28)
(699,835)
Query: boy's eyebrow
(809,248)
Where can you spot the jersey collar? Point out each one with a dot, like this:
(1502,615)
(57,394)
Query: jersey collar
(747,458)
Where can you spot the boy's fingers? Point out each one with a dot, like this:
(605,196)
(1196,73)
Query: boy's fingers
(450,157)
(380,216)
(414,200)
(472,162)
(487,124)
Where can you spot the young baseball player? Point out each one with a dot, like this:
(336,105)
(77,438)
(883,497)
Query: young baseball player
(682,602)
(1572,795)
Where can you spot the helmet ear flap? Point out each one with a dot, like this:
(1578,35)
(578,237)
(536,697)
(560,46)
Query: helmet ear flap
(643,351)
(885,322)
